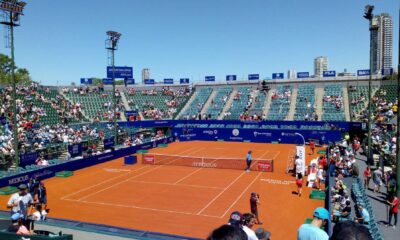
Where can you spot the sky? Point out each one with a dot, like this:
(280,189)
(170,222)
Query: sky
(60,42)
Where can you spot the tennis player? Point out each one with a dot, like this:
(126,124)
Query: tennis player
(248,161)
(299,183)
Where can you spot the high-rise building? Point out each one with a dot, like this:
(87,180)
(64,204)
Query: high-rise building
(320,65)
(292,74)
(145,74)
(382,42)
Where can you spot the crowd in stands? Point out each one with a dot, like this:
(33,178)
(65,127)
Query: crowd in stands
(337,101)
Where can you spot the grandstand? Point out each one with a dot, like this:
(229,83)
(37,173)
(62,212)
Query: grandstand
(218,102)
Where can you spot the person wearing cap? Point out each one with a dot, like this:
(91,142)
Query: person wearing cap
(236,219)
(313,231)
(262,234)
(20,201)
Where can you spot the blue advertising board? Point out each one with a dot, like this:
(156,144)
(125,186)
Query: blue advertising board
(330,73)
(387,71)
(364,72)
(109,142)
(86,81)
(184,81)
(210,78)
(149,81)
(120,72)
(168,81)
(75,149)
(28,158)
(129,81)
(230,77)
(107,81)
(278,76)
(254,77)
(303,75)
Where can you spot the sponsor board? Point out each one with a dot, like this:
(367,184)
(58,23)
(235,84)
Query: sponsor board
(205,164)
(264,166)
(277,181)
(148,159)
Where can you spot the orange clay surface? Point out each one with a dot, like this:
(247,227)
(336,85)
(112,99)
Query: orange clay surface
(186,201)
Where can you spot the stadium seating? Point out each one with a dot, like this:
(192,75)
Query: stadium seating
(258,106)
(92,102)
(330,111)
(305,95)
(280,106)
(239,104)
(197,104)
(215,109)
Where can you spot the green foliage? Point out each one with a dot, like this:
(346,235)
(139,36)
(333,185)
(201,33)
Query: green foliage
(21,74)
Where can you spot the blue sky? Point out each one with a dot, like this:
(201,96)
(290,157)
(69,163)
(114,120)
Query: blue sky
(62,41)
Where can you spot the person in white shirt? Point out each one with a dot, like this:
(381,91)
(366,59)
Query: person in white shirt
(298,165)
(248,222)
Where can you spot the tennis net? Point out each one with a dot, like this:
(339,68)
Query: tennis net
(264,165)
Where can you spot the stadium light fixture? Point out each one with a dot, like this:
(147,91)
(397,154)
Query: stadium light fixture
(111,46)
(12,9)
(368,12)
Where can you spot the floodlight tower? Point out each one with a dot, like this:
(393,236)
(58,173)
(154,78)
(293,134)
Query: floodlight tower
(373,27)
(11,11)
(112,46)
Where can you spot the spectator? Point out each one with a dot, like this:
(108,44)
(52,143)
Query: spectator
(248,222)
(394,209)
(20,201)
(367,177)
(227,232)
(349,230)
(299,183)
(392,185)
(262,234)
(377,178)
(236,219)
(363,215)
(313,230)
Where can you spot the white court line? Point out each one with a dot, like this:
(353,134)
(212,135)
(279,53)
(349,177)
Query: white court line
(264,153)
(142,208)
(185,177)
(276,155)
(216,197)
(244,191)
(119,183)
(100,183)
(173,184)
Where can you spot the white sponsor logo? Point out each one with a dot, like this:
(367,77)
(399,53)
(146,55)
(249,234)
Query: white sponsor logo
(235,132)
(205,165)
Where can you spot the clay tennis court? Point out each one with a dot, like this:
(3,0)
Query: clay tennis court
(187,201)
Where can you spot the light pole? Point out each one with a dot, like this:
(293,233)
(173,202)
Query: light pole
(12,11)
(372,28)
(112,46)
(298,134)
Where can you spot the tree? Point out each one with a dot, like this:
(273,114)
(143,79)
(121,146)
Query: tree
(21,74)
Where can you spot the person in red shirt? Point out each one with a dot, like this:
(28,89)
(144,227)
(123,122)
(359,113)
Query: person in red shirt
(299,183)
(394,209)
(254,201)
(367,177)
(312,146)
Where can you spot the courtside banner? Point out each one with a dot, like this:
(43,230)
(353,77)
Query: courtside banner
(301,153)
(265,165)
(148,159)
